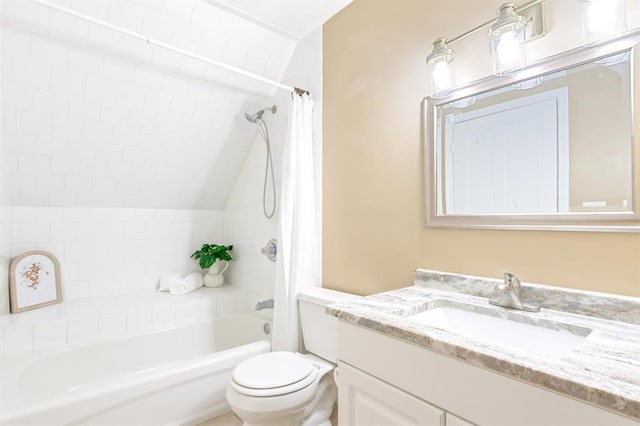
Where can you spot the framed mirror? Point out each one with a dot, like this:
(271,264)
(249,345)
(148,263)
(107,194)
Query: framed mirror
(550,148)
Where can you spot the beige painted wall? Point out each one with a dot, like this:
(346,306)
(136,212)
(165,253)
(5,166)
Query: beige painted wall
(374,80)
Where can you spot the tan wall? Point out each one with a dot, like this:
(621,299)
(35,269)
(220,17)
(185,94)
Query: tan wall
(373,234)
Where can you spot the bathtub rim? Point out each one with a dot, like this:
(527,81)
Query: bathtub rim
(15,408)
(35,354)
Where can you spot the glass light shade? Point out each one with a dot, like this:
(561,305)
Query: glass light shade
(507,41)
(441,69)
(602,19)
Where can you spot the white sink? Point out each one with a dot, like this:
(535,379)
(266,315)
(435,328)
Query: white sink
(500,331)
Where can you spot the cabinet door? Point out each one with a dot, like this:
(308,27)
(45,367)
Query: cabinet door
(456,421)
(367,401)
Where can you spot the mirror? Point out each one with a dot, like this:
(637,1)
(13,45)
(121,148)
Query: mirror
(549,148)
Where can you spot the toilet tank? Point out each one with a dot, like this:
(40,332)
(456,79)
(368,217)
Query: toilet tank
(319,330)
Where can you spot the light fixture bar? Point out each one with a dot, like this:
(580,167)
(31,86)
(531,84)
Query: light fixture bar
(532,10)
(508,32)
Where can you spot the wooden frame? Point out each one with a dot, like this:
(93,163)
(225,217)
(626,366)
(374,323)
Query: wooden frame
(30,272)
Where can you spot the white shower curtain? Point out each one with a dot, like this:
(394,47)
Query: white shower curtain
(298,234)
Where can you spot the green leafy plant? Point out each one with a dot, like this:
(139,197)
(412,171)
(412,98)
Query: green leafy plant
(209,253)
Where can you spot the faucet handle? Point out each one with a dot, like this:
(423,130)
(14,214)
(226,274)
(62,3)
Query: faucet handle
(270,250)
(510,280)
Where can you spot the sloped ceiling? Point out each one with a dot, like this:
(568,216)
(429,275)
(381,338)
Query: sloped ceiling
(95,118)
(296,18)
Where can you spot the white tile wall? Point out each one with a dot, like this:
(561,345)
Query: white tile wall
(100,318)
(105,251)
(5,218)
(17,339)
(168,130)
(246,227)
(104,133)
(244,223)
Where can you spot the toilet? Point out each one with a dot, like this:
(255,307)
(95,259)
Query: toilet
(289,388)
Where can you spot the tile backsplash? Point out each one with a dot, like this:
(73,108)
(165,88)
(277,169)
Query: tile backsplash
(109,251)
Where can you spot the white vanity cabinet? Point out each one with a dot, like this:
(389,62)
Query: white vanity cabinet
(367,401)
(384,381)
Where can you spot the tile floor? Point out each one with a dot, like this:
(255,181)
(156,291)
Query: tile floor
(230,419)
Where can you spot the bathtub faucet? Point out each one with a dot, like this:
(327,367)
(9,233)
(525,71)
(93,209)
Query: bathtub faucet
(265,304)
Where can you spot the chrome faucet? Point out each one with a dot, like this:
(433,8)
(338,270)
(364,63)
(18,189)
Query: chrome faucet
(265,304)
(509,295)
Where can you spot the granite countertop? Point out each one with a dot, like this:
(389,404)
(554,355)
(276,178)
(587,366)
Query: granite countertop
(603,370)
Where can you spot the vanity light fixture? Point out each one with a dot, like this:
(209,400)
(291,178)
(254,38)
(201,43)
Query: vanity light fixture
(441,68)
(514,26)
(507,37)
(602,19)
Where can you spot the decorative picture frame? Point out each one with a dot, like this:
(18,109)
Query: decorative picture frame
(34,281)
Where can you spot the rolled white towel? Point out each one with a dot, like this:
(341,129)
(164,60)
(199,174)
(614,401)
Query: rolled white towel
(187,284)
(166,279)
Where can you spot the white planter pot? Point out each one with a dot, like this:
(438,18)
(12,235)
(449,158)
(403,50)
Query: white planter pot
(214,277)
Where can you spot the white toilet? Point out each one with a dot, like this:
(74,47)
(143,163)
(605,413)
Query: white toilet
(287,388)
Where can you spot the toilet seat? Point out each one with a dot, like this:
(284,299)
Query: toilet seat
(273,374)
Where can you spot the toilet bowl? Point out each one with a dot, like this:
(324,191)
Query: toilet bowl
(282,388)
(289,388)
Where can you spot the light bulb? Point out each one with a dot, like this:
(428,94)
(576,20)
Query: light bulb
(601,16)
(442,76)
(508,49)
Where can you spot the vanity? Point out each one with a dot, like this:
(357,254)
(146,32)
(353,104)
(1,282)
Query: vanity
(438,353)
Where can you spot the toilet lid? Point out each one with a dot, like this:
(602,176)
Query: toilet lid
(273,370)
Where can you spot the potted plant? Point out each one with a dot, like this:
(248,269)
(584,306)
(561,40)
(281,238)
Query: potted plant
(216,258)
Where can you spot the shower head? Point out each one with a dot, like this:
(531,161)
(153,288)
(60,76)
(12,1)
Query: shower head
(258,115)
(253,117)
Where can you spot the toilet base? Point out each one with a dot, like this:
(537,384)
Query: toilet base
(316,411)
(320,410)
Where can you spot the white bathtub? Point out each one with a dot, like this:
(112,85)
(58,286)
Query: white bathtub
(173,376)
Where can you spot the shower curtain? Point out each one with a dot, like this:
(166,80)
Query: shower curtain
(298,234)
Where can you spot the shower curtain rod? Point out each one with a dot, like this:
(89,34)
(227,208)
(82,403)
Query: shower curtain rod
(172,48)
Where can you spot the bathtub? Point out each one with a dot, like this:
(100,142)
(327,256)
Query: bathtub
(169,377)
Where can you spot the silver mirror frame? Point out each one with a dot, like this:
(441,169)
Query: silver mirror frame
(595,222)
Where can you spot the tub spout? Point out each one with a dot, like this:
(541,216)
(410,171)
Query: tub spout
(265,304)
